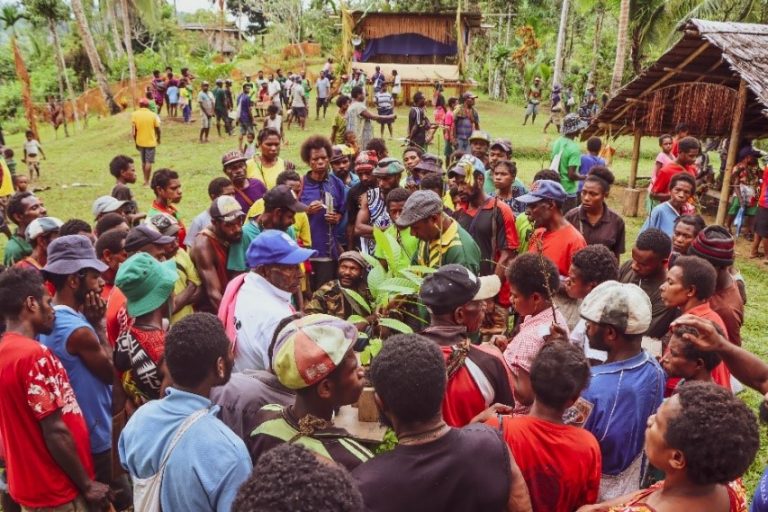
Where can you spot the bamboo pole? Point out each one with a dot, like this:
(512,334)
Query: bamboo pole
(733,148)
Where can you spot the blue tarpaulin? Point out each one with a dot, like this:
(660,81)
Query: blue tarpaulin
(406,44)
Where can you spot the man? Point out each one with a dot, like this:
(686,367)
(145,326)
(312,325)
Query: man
(251,86)
(418,122)
(124,171)
(206,101)
(267,164)
(220,107)
(22,209)
(626,389)
(210,250)
(553,235)
(332,298)
(479,141)
(477,378)
(373,212)
(146,135)
(110,249)
(465,121)
(40,233)
(566,159)
(77,339)
(475,468)
(689,150)
(204,461)
(532,100)
(108,204)
(247,191)
(280,209)
(167,188)
(488,221)
(217,187)
(648,270)
(319,186)
(323,87)
(246,116)
(359,119)
(313,356)
(45,437)
(298,105)
(500,149)
(441,239)
(342,166)
(364,165)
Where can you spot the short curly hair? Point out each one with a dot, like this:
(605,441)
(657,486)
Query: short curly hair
(698,272)
(596,264)
(74,227)
(526,274)
(119,164)
(108,221)
(559,373)
(289,478)
(16,284)
(315,142)
(716,432)
(409,377)
(691,352)
(547,174)
(192,347)
(656,241)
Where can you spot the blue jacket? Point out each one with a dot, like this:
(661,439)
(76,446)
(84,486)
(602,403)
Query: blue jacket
(208,464)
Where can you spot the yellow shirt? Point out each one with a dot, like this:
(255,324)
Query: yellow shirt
(187,274)
(300,222)
(267,175)
(145,121)
(6,180)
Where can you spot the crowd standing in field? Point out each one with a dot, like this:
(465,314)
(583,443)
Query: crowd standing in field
(521,356)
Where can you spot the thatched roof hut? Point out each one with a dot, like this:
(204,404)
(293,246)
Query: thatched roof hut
(713,79)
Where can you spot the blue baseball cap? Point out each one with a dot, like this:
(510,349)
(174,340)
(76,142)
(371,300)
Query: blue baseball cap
(544,189)
(274,247)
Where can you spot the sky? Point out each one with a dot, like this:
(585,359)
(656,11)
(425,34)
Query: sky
(192,5)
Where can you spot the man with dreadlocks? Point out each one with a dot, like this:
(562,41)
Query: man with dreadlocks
(477,377)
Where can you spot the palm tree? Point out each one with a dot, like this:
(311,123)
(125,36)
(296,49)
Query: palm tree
(54,11)
(93,55)
(10,15)
(127,41)
(557,75)
(621,46)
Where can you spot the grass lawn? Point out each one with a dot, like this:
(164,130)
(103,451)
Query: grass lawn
(77,172)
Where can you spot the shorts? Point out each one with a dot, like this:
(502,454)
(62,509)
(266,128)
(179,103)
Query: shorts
(761,222)
(532,108)
(78,505)
(32,161)
(246,127)
(300,112)
(147,155)
(386,112)
(222,116)
(205,121)
(321,102)
(734,205)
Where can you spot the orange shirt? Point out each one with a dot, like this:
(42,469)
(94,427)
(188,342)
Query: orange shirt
(559,245)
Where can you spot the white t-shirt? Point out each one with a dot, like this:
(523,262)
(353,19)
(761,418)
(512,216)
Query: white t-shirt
(274,92)
(259,307)
(32,147)
(323,87)
(297,94)
(275,123)
(396,86)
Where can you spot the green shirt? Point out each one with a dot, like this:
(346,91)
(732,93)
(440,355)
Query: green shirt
(251,230)
(570,157)
(524,232)
(454,246)
(16,249)
(219,100)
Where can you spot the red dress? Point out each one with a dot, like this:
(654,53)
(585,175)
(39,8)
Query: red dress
(736,494)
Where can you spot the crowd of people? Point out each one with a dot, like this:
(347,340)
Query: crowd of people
(211,351)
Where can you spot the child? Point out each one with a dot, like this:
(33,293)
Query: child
(32,149)
(185,100)
(22,183)
(663,158)
(681,188)
(8,154)
(339,129)
(527,275)
(274,120)
(591,159)
(150,96)
(551,454)
(350,139)
(508,187)
(250,146)
(124,171)
(384,103)
(173,98)
(685,361)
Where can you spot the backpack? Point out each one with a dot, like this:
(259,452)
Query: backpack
(146,491)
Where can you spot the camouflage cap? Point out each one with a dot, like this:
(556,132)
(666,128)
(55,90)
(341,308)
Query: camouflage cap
(623,306)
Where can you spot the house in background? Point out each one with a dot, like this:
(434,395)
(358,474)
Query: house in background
(225,41)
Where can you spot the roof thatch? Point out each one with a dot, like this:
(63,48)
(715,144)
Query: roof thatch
(695,82)
(438,26)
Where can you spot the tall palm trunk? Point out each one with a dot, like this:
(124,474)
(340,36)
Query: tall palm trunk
(61,65)
(113,26)
(621,47)
(592,78)
(93,55)
(127,33)
(557,74)
(26,89)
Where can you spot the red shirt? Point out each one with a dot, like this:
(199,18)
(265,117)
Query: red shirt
(116,316)
(720,374)
(31,263)
(559,245)
(172,211)
(664,176)
(561,464)
(764,191)
(34,385)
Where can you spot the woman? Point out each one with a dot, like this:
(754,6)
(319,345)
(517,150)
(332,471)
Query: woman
(594,220)
(663,158)
(267,164)
(703,438)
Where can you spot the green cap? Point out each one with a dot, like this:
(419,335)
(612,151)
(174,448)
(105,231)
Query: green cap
(145,282)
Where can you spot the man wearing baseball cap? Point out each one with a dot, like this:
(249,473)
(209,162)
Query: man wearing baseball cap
(108,204)
(479,141)
(257,301)
(145,126)
(313,355)
(280,209)
(625,390)
(40,233)
(500,149)
(373,208)
(332,298)
(566,158)
(441,239)
(342,166)
(477,378)
(210,250)
(465,121)
(553,236)
(247,191)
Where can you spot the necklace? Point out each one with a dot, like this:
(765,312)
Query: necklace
(423,437)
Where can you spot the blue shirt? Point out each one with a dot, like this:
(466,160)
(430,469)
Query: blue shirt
(623,394)
(173,94)
(663,217)
(208,464)
(588,162)
(93,396)
(315,191)
(760,499)
(244,102)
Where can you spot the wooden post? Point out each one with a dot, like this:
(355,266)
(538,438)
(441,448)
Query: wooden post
(631,194)
(733,149)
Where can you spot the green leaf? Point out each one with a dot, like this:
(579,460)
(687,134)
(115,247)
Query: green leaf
(421,269)
(373,262)
(399,285)
(395,325)
(376,276)
(389,246)
(356,319)
(352,294)
(415,279)
(370,351)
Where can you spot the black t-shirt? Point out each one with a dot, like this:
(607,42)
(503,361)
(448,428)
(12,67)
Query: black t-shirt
(467,469)
(418,118)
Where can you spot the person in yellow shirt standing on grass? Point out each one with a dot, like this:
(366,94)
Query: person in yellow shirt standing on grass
(266,164)
(146,134)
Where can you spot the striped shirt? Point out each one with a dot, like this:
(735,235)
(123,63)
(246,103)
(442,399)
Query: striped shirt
(454,246)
